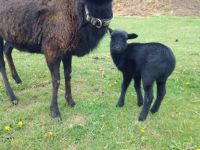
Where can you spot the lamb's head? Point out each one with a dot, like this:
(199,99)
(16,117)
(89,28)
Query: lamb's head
(118,43)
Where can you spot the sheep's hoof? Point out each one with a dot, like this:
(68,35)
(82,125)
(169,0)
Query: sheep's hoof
(14,102)
(57,119)
(120,104)
(17,79)
(55,114)
(71,103)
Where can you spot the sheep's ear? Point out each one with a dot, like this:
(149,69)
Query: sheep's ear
(132,36)
(110,30)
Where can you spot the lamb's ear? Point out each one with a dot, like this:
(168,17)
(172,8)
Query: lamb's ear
(110,30)
(132,36)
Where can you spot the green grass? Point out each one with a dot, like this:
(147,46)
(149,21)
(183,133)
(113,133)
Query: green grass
(95,122)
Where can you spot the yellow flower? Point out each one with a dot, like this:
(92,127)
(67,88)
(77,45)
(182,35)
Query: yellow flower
(187,83)
(198,148)
(7,128)
(49,134)
(112,83)
(142,130)
(20,123)
(173,115)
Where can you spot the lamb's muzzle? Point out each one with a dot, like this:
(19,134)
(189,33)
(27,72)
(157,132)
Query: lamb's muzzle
(97,22)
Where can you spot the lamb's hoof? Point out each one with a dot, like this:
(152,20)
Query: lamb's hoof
(142,117)
(71,103)
(14,102)
(119,104)
(153,110)
(140,103)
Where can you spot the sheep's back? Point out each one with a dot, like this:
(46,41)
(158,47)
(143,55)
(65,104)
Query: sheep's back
(29,22)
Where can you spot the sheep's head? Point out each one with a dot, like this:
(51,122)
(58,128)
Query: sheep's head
(119,38)
(101,9)
(99,2)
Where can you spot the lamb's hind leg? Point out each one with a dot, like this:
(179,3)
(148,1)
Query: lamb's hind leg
(8,53)
(4,75)
(137,85)
(161,91)
(67,61)
(148,98)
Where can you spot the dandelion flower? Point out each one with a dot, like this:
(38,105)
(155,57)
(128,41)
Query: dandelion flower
(112,83)
(187,83)
(173,116)
(7,128)
(20,123)
(142,130)
(49,134)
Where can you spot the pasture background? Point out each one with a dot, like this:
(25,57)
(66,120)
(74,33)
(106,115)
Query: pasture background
(95,122)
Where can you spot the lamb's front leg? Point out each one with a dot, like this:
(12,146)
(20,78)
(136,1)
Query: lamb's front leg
(67,61)
(126,81)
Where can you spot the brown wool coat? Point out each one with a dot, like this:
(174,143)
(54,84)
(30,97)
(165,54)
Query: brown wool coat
(34,22)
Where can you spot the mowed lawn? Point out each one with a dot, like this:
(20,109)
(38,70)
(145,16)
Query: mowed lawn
(95,123)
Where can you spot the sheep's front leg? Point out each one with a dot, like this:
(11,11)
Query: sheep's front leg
(8,53)
(126,81)
(137,86)
(67,61)
(55,74)
(4,75)
(53,61)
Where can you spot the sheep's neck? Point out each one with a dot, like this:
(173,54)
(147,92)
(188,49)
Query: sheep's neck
(89,35)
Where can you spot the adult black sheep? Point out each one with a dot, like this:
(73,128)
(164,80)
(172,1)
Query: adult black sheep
(59,29)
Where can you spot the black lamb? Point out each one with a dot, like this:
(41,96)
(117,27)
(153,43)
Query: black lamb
(148,62)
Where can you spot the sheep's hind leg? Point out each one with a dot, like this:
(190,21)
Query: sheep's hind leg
(4,75)
(126,81)
(137,86)
(161,91)
(148,98)
(67,61)
(8,53)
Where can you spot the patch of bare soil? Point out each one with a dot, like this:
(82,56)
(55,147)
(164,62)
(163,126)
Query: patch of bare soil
(156,7)
(76,120)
